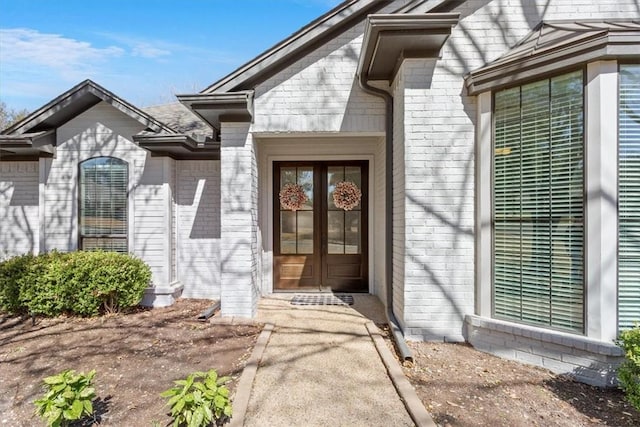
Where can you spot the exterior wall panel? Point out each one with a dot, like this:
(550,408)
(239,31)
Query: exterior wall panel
(19,211)
(198,228)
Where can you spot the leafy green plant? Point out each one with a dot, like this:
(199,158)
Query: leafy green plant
(68,398)
(42,286)
(107,282)
(82,283)
(629,370)
(201,399)
(10,271)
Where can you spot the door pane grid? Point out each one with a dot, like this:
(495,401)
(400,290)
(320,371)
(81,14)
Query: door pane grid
(343,227)
(296,227)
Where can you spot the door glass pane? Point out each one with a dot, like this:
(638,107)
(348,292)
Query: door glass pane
(287,232)
(335,174)
(305,180)
(296,227)
(287,176)
(352,173)
(305,232)
(335,231)
(344,228)
(352,232)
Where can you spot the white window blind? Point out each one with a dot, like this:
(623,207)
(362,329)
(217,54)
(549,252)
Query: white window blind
(103,204)
(538,203)
(629,197)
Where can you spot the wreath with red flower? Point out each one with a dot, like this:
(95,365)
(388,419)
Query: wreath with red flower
(292,197)
(346,195)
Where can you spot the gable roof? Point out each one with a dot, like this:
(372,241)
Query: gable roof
(184,137)
(213,102)
(556,45)
(75,101)
(294,47)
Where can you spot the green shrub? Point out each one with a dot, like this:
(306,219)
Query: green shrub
(82,283)
(11,271)
(67,398)
(42,286)
(199,400)
(629,371)
(115,281)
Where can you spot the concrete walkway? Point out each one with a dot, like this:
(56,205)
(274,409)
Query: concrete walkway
(321,368)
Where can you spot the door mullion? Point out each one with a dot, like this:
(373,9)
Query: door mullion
(322,175)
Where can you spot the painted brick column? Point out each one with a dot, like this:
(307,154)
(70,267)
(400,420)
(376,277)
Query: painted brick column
(438,143)
(238,209)
(602,199)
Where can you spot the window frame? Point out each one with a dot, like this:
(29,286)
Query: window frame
(533,79)
(80,235)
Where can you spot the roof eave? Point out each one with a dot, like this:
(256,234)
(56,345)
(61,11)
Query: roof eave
(214,108)
(27,147)
(389,39)
(605,45)
(180,147)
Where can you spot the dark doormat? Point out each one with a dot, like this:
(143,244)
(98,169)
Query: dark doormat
(322,299)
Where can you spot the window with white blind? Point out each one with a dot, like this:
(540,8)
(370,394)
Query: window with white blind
(629,197)
(103,204)
(538,203)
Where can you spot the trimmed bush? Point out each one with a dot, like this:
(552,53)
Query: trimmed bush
(629,371)
(42,289)
(81,283)
(11,271)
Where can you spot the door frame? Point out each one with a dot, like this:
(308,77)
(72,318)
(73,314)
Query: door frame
(267,201)
(321,258)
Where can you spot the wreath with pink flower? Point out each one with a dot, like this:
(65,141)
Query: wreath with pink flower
(346,195)
(292,197)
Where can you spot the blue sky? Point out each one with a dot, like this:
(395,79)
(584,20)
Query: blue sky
(143,50)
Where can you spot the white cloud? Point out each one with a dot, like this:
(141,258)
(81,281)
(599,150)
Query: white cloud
(26,48)
(141,47)
(146,50)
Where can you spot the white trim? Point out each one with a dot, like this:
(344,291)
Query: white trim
(136,168)
(324,135)
(484,250)
(166,185)
(43,172)
(601,185)
(305,147)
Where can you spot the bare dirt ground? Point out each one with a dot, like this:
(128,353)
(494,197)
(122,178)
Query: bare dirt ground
(136,356)
(461,386)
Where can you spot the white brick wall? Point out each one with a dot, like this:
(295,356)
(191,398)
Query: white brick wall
(320,93)
(238,210)
(438,173)
(19,221)
(198,227)
(438,123)
(590,361)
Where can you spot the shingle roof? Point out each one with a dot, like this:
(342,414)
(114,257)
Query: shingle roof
(180,118)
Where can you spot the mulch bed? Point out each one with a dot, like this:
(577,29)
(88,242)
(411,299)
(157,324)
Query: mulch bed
(136,356)
(461,386)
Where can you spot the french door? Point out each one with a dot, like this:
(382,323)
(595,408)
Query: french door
(320,226)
